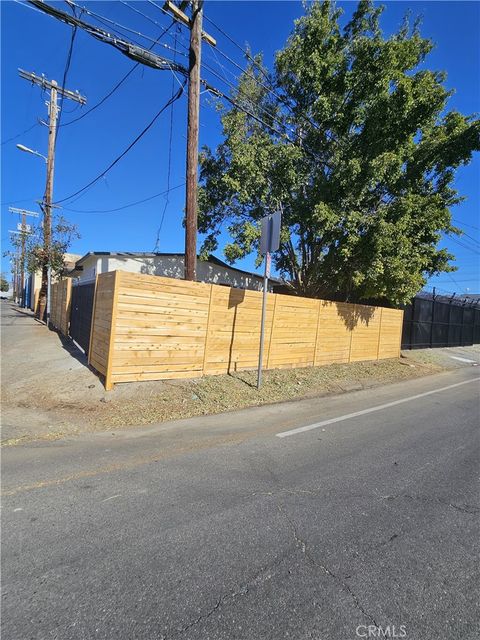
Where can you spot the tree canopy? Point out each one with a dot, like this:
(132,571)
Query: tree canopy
(350,137)
(63,233)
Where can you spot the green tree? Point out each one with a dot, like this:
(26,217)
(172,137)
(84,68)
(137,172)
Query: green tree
(62,236)
(350,138)
(4,283)
(63,233)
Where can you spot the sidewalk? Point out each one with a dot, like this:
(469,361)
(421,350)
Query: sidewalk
(49,391)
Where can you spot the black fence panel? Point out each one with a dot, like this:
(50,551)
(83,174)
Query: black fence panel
(476,327)
(433,323)
(81,314)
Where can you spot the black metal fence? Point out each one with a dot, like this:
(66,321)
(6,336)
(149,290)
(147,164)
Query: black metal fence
(440,322)
(81,313)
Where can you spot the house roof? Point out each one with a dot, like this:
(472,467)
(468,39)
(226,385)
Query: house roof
(144,254)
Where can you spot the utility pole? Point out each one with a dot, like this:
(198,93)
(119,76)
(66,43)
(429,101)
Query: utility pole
(24,230)
(55,90)
(150,59)
(192,141)
(191,195)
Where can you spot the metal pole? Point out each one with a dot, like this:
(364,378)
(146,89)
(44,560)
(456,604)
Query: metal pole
(264,313)
(22,264)
(49,289)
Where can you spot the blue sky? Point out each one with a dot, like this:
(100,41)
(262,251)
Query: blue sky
(38,43)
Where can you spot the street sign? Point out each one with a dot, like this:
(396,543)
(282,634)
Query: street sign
(268,265)
(26,228)
(270,239)
(269,242)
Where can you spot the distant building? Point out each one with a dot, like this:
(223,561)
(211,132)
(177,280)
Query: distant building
(170,265)
(33,282)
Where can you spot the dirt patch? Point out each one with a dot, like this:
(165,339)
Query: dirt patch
(49,413)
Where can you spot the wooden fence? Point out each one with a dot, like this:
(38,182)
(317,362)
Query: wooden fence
(151,328)
(61,294)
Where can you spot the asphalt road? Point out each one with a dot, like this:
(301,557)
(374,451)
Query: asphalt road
(216,528)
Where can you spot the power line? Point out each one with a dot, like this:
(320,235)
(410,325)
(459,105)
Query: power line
(132,144)
(132,8)
(36,124)
(139,54)
(64,81)
(107,21)
(169,168)
(465,224)
(119,83)
(464,245)
(464,233)
(105,97)
(125,206)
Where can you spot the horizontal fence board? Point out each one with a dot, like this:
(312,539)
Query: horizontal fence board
(166,328)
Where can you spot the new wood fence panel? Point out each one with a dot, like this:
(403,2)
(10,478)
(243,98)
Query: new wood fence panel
(294,332)
(233,338)
(161,327)
(60,304)
(334,336)
(391,333)
(365,333)
(100,349)
(150,328)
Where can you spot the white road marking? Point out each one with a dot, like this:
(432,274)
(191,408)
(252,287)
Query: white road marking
(462,359)
(118,495)
(18,509)
(379,407)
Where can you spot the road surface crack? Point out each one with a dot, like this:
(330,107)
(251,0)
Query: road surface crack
(465,508)
(261,575)
(302,545)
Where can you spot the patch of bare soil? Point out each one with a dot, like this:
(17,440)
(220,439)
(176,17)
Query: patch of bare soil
(76,402)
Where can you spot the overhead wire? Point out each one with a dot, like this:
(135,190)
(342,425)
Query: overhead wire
(36,124)
(117,85)
(169,169)
(150,19)
(107,21)
(465,224)
(464,245)
(124,46)
(128,148)
(125,206)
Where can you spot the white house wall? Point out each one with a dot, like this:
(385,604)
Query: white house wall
(168,266)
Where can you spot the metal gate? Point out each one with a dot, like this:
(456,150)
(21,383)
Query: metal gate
(81,314)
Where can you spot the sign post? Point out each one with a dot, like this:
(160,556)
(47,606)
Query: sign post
(269,242)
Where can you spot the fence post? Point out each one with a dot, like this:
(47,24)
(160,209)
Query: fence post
(92,323)
(380,332)
(275,296)
(351,337)
(205,344)
(412,320)
(432,319)
(113,322)
(461,326)
(316,335)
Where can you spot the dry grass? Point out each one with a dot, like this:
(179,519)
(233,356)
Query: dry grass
(148,403)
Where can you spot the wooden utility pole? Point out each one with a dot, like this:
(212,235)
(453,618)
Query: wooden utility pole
(44,297)
(192,141)
(191,196)
(55,90)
